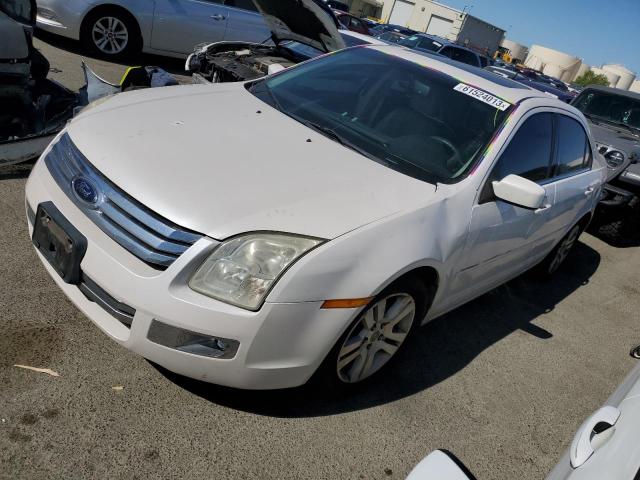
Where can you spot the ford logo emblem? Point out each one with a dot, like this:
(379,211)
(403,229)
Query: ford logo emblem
(85,190)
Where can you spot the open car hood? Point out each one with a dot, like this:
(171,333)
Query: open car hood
(305,21)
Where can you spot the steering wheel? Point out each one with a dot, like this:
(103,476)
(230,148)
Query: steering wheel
(449,128)
(454,162)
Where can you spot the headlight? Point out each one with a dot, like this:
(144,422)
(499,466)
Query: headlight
(614,158)
(242,270)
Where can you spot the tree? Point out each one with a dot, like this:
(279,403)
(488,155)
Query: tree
(591,78)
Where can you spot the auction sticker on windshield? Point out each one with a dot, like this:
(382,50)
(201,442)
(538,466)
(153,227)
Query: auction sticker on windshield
(482,96)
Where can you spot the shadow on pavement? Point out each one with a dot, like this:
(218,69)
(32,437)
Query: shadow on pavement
(171,65)
(20,170)
(617,227)
(441,348)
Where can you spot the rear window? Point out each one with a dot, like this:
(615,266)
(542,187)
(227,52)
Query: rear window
(573,152)
(423,43)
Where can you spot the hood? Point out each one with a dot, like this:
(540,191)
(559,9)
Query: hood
(219,161)
(618,139)
(305,21)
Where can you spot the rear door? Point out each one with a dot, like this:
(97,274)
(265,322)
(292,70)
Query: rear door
(577,184)
(244,23)
(179,25)
(506,239)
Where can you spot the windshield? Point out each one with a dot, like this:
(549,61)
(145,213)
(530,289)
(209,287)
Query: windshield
(407,117)
(610,108)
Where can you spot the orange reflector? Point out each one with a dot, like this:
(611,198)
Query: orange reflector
(346,303)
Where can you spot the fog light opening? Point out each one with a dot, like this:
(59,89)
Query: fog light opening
(191,342)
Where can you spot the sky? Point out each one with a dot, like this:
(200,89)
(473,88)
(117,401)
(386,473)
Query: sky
(598,31)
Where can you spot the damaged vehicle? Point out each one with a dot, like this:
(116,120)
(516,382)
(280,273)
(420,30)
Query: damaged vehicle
(614,119)
(34,108)
(300,30)
(256,234)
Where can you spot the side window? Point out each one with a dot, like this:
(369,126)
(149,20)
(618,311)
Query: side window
(446,51)
(573,152)
(465,57)
(243,4)
(355,23)
(527,155)
(344,20)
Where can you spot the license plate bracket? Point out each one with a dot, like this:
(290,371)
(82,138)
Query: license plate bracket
(59,242)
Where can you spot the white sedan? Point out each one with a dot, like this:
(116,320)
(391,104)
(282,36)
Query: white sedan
(255,234)
(606,446)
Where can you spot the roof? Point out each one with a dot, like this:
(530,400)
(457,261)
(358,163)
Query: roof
(503,88)
(614,91)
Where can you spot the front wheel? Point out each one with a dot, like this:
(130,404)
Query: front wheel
(376,336)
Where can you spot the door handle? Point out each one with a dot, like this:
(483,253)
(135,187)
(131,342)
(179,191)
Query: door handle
(217,16)
(543,208)
(581,448)
(589,190)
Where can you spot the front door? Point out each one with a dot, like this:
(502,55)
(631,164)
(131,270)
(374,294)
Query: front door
(179,25)
(506,239)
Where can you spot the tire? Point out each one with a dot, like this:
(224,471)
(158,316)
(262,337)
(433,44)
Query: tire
(364,350)
(111,33)
(560,252)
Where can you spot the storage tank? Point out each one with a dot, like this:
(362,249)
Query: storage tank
(626,76)
(612,77)
(515,49)
(584,68)
(635,86)
(558,64)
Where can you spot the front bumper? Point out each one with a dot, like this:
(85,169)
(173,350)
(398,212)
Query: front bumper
(280,346)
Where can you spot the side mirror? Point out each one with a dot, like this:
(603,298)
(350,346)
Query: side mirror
(440,465)
(519,191)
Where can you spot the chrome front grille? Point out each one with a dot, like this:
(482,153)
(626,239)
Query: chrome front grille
(150,237)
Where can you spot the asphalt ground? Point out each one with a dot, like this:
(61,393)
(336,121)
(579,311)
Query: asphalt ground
(504,382)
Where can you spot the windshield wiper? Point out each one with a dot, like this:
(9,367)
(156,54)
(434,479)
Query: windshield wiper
(600,120)
(629,128)
(333,135)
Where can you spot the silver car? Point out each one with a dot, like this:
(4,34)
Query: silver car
(116,28)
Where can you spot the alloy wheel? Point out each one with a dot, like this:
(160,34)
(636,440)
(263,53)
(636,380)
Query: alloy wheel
(564,248)
(376,337)
(110,35)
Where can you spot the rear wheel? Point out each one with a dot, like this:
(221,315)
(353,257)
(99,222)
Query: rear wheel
(560,253)
(111,32)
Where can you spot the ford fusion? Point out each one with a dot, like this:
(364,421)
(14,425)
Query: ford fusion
(257,234)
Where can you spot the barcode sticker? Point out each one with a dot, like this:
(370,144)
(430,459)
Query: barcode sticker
(482,96)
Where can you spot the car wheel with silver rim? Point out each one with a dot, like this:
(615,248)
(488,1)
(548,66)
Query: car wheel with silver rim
(560,253)
(111,33)
(378,334)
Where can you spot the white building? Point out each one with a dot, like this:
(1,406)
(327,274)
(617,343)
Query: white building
(447,22)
